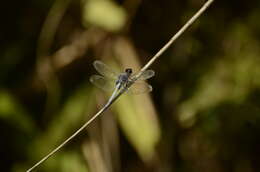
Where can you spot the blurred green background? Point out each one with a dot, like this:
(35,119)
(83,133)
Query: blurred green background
(203,114)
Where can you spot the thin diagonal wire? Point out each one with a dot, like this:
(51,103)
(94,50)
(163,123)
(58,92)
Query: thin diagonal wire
(176,36)
(79,130)
(68,139)
(150,62)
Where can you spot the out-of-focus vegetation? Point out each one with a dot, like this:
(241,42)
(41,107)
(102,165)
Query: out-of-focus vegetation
(203,114)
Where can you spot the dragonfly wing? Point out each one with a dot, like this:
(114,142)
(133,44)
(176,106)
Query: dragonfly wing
(101,82)
(146,75)
(140,87)
(104,70)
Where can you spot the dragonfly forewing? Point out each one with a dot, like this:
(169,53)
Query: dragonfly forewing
(104,70)
(102,83)
(140,88)
(146,75)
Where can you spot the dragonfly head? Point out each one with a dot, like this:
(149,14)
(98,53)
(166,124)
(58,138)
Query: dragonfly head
(129,71)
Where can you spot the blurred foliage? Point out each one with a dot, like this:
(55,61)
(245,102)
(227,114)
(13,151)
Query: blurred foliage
(104,13)
(142,131)
(203,114)
(12,112)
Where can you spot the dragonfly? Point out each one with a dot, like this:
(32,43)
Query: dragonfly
(109,80)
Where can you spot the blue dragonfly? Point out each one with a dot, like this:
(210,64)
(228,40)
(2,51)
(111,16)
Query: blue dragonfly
(109,80)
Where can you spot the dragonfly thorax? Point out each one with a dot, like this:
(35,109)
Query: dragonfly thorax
(123,78)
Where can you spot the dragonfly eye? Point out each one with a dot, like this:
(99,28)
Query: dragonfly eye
(129,70)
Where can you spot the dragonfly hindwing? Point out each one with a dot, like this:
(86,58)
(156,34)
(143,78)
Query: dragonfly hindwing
(101,82)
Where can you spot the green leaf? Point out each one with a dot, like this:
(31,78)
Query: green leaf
(138,120)
(105,14)
(14,113)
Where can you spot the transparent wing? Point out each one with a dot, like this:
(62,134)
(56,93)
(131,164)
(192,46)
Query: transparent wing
(140,87)
(146,75)
(104,70)
(101,82)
